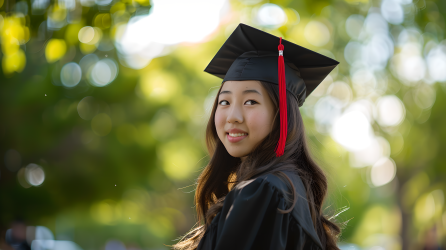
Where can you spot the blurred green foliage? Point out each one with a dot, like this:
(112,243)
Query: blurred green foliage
(118,159)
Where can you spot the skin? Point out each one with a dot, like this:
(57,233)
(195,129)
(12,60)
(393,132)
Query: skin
(252,112)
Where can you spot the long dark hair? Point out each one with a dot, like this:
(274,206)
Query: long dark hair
(224,171)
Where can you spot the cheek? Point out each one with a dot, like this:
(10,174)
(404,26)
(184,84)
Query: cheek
(220,121)
(259,123)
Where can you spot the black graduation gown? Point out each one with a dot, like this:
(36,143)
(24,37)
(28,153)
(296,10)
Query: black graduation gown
(249,218)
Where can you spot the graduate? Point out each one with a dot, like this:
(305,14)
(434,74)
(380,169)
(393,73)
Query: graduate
(261,189)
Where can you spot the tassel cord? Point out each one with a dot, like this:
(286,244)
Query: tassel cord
(280,148)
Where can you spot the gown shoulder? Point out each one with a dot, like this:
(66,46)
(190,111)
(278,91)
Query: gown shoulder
(249,218)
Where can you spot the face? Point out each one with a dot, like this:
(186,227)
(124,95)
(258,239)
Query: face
(244,116)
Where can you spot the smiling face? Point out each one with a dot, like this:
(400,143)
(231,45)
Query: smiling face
(244,116)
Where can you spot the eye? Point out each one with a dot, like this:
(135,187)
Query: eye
(221,102)
(252,102)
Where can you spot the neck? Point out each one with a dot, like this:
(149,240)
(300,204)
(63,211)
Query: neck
(243,158)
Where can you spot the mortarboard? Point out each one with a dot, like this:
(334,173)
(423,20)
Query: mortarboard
(252,54)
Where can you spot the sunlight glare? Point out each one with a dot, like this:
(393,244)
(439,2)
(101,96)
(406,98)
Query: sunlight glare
(352,130)
(199,18)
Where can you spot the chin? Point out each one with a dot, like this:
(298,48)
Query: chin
(237,153)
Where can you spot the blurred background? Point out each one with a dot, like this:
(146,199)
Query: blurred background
(104,104)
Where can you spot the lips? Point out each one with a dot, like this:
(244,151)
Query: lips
(236,135)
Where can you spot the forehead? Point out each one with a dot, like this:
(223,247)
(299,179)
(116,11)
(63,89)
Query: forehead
(235,86)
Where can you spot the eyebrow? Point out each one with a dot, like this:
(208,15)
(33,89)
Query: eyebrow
(244,92)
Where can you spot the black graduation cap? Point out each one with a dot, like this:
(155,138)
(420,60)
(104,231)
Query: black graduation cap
(252,54)
(246,41)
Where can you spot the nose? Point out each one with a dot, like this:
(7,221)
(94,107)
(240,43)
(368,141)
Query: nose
(235,115)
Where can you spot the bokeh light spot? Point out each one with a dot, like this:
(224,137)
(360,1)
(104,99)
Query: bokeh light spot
(55,49)
(409,65)
(103,72)
(86,34)
(436,61)
(317,33)
(114,245)
(14,62)
(271,15)
(34,174)
(103,2)
(158,86)
(376,150)
(383,172)
(353,25)
(424,208)
(391,111)
(341,91)
(424,96)
(374,23)
(327,109)
(364,106)
(102,20)
(71,74)
(353,52)
(105,212)
(392,11)
(87,3)
(87,62)
(179,159)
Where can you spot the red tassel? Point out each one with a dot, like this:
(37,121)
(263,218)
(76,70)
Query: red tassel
(280,148)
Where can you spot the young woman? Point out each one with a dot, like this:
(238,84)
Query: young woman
(261,188)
